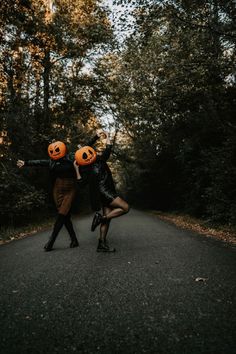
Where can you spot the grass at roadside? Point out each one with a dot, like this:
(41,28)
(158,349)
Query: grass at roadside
(10,233)
(222,232)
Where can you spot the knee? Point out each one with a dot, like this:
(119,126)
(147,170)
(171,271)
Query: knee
(126,208)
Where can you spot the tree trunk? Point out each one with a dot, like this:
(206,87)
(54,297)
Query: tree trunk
(46,87)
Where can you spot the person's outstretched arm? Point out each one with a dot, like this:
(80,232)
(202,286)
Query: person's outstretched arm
(22,163)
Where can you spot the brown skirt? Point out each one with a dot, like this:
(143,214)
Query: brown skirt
(64,191)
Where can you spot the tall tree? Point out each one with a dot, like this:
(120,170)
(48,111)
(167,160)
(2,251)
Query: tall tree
(46,75)
(172,90)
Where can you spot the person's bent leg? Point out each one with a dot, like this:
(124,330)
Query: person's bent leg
(71,231)
(56,229)
(118,207)
(105,225)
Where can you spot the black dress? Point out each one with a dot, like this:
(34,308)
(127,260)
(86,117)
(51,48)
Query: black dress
(99,177)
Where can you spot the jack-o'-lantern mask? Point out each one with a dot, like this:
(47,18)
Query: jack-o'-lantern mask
(85,156)
(57,150)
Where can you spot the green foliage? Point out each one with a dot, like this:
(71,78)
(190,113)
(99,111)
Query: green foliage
(172,90)
(21,200)
(45,90)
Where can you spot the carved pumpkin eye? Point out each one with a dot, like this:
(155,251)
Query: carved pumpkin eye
(90,152)
(85,156)
(51,151)
(57,149)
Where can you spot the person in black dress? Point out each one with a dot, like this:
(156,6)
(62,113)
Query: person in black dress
(103,194)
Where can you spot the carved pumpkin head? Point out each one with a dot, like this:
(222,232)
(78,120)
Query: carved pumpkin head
(85,155)
(57,150)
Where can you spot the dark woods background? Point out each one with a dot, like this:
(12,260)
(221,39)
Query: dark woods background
(169,87)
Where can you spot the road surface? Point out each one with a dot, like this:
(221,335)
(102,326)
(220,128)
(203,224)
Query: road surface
(142,299)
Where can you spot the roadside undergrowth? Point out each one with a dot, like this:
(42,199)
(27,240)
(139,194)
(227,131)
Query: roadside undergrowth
(222,232)
(11,233)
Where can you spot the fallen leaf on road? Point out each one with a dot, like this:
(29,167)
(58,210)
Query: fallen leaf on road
(201,279)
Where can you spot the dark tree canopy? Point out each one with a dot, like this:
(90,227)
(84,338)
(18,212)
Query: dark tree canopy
(172,89)
(46,88)
(169,87)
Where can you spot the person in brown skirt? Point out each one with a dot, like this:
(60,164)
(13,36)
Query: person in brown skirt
(63,173)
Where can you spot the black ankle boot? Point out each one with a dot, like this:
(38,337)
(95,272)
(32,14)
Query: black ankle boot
(97,219)
(48,247)
(104,247)
(74,243)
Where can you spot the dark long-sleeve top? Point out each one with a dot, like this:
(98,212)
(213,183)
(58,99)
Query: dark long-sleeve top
(61,168)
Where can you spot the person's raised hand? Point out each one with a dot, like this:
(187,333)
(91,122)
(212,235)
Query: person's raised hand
(101,133)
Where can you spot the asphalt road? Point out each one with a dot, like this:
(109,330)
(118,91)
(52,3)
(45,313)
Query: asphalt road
(142,299)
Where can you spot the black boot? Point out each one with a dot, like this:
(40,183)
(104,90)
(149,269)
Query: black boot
(70,229)
(109,249)
(104,247)
(57,227)
(97,220)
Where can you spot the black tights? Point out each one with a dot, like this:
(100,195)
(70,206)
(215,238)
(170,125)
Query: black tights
(60,221)
(69,227)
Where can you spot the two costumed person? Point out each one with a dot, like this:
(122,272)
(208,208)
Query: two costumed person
(66,174)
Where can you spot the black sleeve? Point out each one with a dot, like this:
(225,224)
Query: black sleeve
(92,141)
(37,163)
(84,178)
(106,153)
(82,182)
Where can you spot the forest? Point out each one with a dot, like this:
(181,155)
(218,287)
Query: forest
(160,75)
